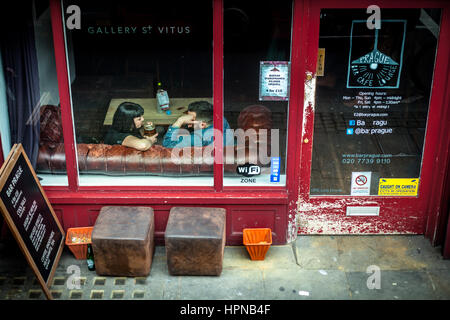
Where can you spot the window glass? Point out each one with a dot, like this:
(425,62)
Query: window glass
(134,63)
(257,42)
(29,98)
(372,98)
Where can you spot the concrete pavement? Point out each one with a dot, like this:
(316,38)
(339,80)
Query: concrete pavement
(374,267)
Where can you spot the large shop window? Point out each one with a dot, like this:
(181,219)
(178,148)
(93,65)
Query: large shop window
(30,109)
(138,63)
(257,42)
(372,101)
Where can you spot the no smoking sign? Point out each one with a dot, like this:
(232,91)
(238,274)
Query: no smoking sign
(361,183)
(361,180)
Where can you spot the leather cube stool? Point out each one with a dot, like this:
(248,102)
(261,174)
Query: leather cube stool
(195,241)
(123,241)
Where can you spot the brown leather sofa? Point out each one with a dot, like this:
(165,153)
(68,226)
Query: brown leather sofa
(119,160)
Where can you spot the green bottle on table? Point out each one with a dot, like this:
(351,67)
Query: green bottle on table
(90,258)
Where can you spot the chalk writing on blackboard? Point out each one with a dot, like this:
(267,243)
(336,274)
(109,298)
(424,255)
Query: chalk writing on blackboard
(30,216)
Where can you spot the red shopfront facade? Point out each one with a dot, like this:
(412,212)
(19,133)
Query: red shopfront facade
(361,119)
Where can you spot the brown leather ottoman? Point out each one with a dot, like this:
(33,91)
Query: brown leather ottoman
(195,241)
(122,241)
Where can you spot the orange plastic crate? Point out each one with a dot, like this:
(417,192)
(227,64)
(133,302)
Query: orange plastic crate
(257,241)
(79,249)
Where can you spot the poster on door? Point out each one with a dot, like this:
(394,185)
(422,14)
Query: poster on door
(274,80)
(373,61)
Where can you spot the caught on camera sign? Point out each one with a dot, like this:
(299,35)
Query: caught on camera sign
(398,187)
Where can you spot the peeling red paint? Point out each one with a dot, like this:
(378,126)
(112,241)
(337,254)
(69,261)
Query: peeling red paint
(329,217)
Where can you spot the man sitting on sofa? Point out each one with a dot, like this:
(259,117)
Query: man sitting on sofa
(199,117)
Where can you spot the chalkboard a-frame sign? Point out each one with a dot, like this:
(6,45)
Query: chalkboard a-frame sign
(30,217)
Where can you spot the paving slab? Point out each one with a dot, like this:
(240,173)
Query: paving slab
(394,285)
(356,253)
(317,252)
(172,288)
(306,285)
(408,253)
(440,281)
(232,284)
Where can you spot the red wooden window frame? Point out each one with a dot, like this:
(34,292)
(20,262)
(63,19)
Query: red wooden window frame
(73,199)
(434,134)
(68,129)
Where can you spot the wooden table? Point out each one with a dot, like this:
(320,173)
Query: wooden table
(177,107)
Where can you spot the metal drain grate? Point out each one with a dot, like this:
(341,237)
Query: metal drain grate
(138,294)
(56,294)
(140,281)
(14,294)
(89,287)
(99,281)
(82,281)
(59,281)
(77,282)
(120,281)
(76,294)
(19,281)
(97,294)
(34,294)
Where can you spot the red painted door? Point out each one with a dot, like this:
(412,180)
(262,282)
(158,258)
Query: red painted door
(373,100)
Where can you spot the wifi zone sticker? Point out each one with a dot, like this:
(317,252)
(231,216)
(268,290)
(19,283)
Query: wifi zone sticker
(248,170)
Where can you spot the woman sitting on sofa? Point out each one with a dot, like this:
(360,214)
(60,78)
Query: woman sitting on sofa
(127,126)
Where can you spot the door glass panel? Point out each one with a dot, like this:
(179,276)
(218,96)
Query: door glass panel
(372,101)
(257,44)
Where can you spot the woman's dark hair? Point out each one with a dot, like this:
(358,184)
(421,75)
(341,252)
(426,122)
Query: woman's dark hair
(123,120)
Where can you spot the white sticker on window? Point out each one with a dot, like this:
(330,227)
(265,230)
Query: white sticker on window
(361,183)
